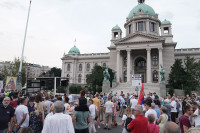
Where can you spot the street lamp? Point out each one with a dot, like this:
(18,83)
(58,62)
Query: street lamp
(19,75)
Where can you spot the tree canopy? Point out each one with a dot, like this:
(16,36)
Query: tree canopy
(185,77)
(96,77)
(55,72)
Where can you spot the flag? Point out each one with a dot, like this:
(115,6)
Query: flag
(141,97)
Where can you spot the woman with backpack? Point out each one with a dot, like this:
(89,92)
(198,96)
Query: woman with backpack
(126,119)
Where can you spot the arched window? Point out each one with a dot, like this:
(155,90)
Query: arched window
(80,67)
(96,64)
(155,60)
(68,67)
(140,62)
(68,76)
(125,61)
(79,78)
(155,76)
(104,64)
(88,67)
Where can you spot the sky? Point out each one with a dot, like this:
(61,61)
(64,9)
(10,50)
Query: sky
(54,25)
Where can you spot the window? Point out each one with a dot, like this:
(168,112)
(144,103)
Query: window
(68,67)
(104,64)
(79,78)
(68,76)
(152,27)
(125,76)
(116,35)
(141,63)
(80,67)
(155,76)
(166,30)
(155,60)
(129,29)
(125,61)
(96,64)
(141,26)
(88,67)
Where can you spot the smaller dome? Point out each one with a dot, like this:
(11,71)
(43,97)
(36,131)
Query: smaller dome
(116,28)
(74,50)
(166,22)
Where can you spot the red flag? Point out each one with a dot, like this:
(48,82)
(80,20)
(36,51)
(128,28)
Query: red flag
(141,97)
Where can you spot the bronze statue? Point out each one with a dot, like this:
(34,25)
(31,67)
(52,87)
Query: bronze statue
(106,74)
(162,75)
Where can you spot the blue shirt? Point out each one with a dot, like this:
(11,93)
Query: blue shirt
(158,112)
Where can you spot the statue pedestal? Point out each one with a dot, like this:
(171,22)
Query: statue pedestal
(163,90)
(106,86)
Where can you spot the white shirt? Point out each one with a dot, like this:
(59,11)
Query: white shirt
(133,103)
(109,105)
(48,105)
(19,112)
(197,118)
(173,103)
(151,111)
(67,107)
(58,123)
(70,98)
(92,109)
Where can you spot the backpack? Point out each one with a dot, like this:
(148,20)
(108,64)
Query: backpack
(128,120)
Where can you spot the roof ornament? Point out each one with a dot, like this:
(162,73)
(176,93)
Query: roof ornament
(75,42)
(141,1)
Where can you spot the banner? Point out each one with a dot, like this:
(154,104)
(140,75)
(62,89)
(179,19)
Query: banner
(1,85)
(11,82)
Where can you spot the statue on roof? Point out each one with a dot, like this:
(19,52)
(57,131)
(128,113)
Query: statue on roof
(141,1)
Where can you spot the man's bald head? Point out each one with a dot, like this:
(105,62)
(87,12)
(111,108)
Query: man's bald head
(171,127)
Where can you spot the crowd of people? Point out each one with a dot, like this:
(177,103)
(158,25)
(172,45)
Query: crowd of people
(45,113)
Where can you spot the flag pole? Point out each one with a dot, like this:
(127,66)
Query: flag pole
(19,75)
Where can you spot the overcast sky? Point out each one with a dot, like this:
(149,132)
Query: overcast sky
(54,25)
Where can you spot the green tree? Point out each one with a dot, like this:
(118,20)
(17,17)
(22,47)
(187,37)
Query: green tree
(13,69)
(177,75)
(55,71)
(95,79)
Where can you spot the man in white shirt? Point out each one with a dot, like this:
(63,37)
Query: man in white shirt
(59,122)
(196,115)
(70,98)
(150,111)
(92,109)
(21,114)
(173,109)
(108,110)
(133,103)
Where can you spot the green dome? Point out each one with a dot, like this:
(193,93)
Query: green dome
(74,50)
(116,28)
(165,22)
(144,7)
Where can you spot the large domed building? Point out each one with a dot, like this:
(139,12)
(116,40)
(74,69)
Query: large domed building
(148,44)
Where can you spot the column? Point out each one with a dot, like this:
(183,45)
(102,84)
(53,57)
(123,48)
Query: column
(128,64)
(147,26)
(118,65)
(160,62)
(148,65)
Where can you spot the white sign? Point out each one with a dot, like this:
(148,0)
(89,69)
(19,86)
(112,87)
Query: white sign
(137,80)
(1,85)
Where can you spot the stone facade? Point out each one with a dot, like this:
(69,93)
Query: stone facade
(148,43)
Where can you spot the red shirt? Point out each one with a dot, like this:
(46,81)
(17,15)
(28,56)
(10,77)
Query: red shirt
(13,104)
(152,128)
(184,120)
(139,125)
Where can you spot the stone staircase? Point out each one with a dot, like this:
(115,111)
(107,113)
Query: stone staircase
(128,88)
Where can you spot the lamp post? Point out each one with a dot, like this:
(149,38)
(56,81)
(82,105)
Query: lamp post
(19,75)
